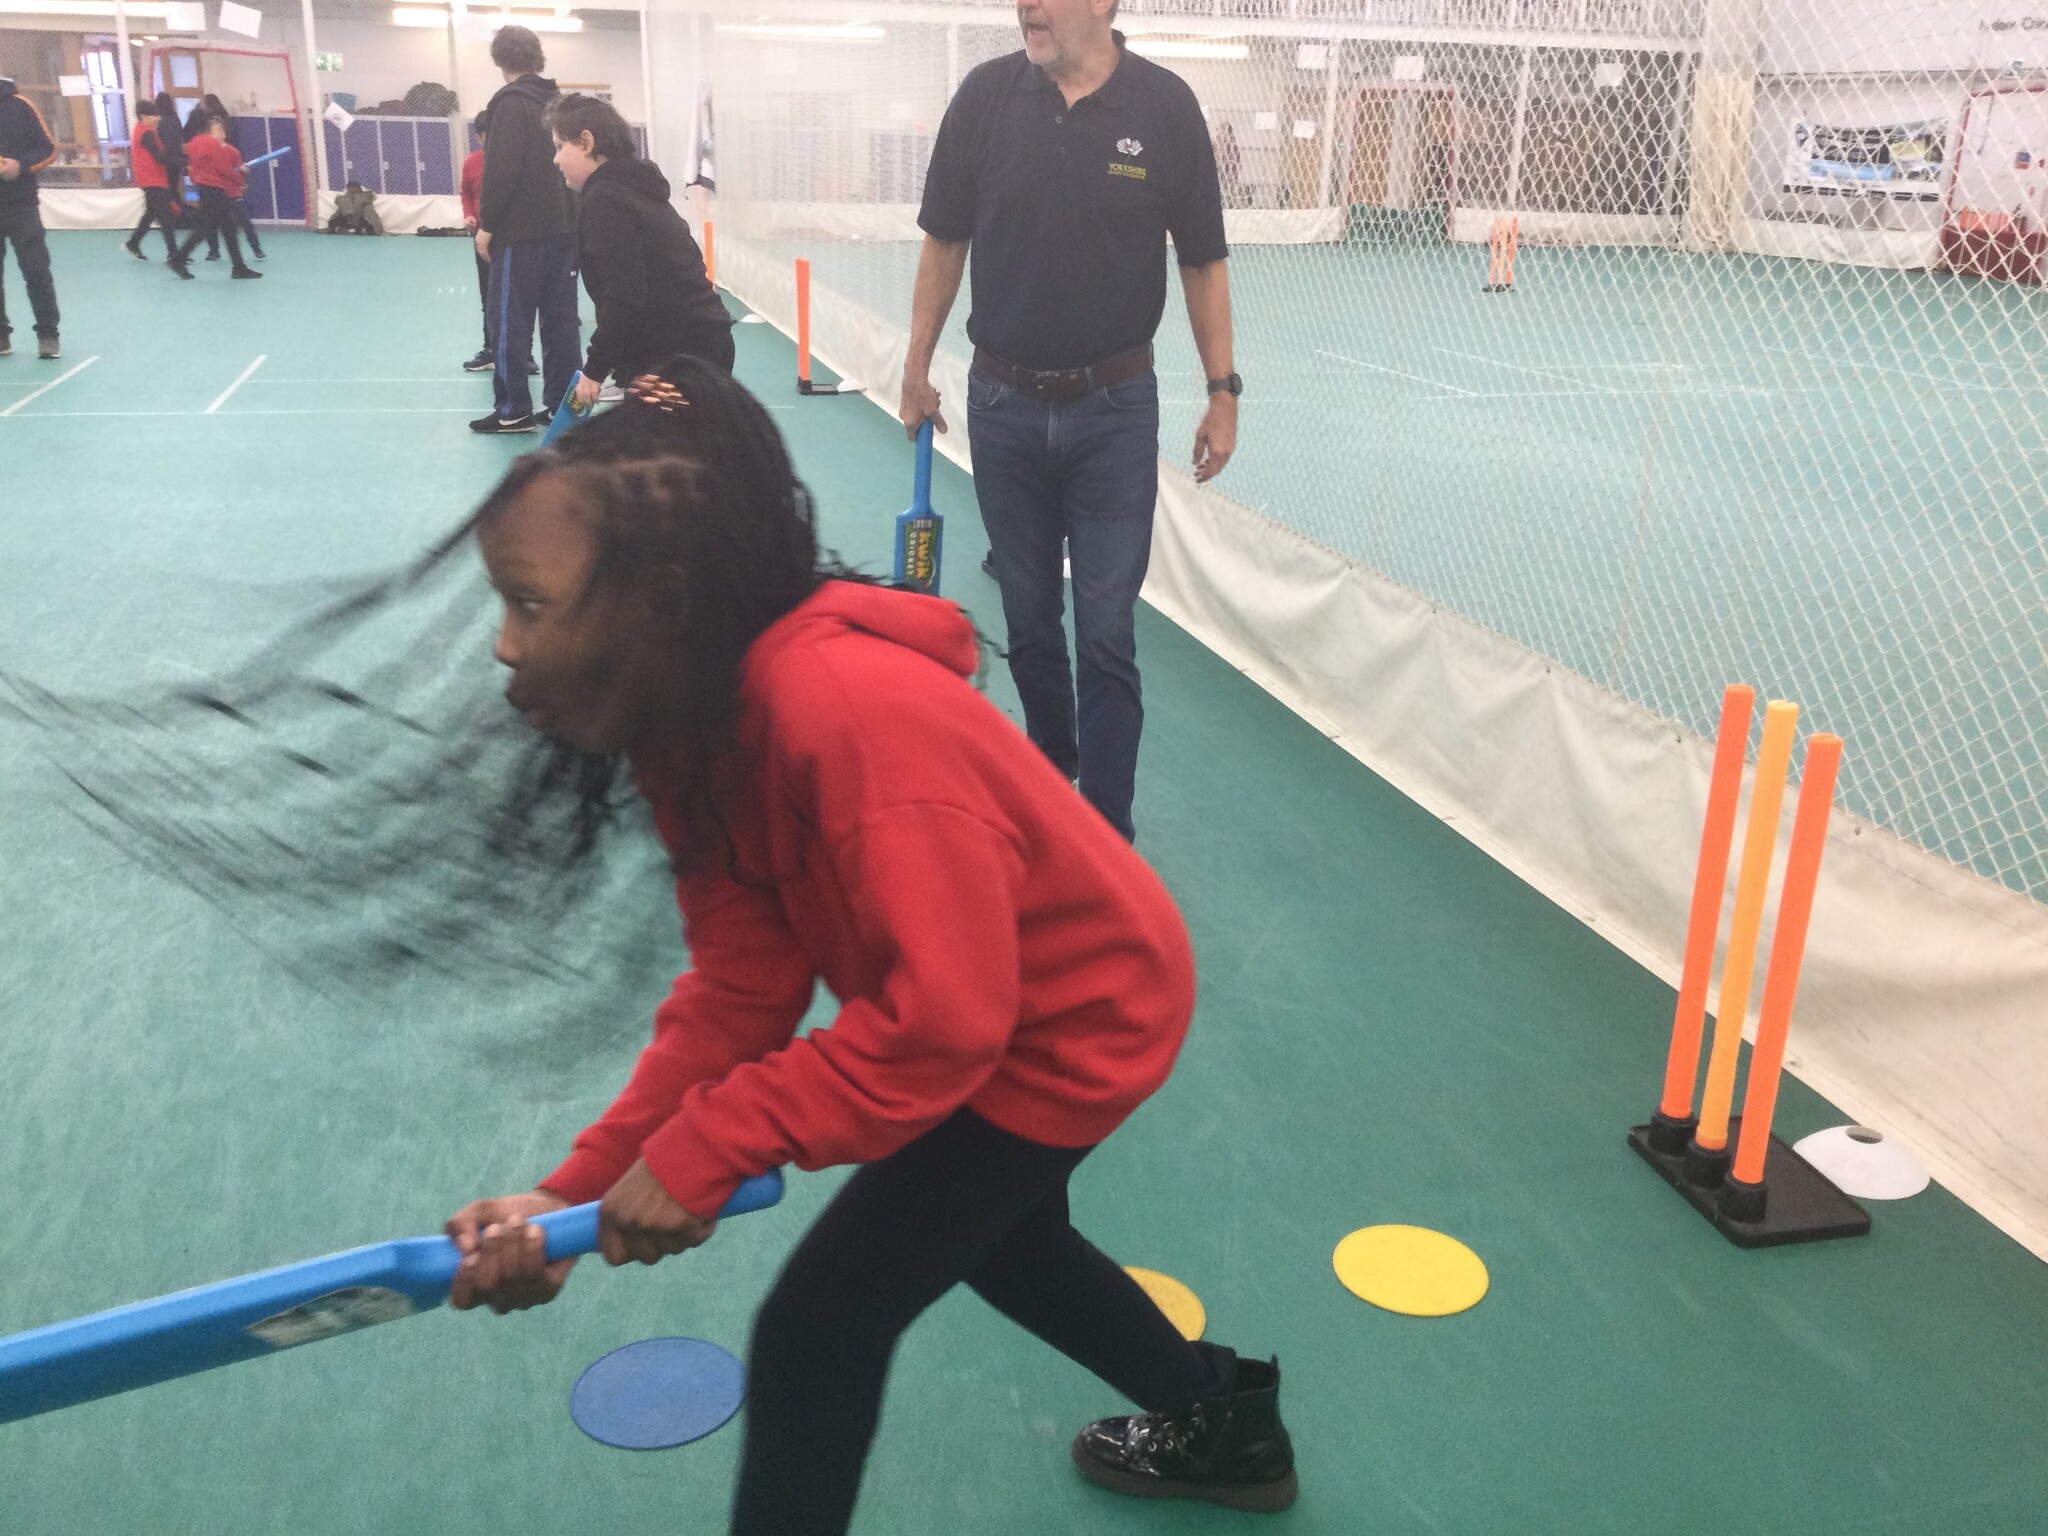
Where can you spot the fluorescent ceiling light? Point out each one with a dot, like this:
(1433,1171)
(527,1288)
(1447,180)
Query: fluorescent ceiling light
(104,8)
(802,31)
(1176,48)
(435,17)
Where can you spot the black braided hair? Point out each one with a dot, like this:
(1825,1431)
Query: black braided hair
(359,799)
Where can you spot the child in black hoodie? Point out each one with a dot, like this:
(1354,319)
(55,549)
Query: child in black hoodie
(644,272)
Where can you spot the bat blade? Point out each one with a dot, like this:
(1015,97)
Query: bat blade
(148,1342)
(567,414)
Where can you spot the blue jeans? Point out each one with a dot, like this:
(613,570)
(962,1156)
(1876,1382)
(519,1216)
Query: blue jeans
(1084,474)
(532,278)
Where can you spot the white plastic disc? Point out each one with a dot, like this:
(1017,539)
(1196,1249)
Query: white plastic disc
(1864,1164)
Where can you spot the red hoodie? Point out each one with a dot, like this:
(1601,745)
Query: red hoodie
(146,166)
(216,163)
(472,187)
(992,941)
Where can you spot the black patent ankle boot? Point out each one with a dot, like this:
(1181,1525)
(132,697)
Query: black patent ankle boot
(1230,1449)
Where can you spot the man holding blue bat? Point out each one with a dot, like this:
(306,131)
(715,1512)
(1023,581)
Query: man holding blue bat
(1066,166)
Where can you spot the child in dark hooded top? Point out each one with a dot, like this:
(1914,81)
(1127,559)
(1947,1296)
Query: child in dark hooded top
(643,269)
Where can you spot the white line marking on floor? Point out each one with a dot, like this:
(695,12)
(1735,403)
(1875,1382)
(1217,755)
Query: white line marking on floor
(1414,378)
(214,408)
(465,379)
(1904,373)
(1541,373)
(73,373)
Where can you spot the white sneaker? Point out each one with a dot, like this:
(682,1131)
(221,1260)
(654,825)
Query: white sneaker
(610,394)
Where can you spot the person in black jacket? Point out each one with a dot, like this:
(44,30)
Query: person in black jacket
(645,274)
(156,161)
(25,148)
(525,232)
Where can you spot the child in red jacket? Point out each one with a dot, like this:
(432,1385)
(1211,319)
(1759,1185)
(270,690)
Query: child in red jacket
(840,803)
(472,219)
(215,167)
(155,161)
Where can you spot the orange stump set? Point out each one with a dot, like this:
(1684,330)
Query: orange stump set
(1762,1193)
(804,386)
(1500,253)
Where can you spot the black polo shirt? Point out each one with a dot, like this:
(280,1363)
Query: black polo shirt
(1068,208)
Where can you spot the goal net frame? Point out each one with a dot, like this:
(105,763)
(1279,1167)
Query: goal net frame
(1994,200)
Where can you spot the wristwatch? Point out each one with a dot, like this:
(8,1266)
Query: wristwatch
(1230,383)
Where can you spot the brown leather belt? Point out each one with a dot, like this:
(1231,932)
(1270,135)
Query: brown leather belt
(1066,383)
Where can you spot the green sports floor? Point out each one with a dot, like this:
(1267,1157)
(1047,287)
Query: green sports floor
(1391,1029)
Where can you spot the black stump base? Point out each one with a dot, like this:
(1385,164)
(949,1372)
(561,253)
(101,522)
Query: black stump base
(1795,1203)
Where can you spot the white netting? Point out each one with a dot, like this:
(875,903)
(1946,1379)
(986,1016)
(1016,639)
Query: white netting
(1753,409)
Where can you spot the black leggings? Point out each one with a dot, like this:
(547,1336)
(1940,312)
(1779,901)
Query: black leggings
(161,209)
(964,1202)
(216,218)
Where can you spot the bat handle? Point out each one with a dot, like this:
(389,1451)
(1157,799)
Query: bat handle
(921,486)
(573,1232)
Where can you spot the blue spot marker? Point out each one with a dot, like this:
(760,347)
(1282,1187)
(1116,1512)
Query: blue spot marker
(658,1393)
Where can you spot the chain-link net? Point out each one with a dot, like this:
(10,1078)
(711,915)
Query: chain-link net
(1681,343)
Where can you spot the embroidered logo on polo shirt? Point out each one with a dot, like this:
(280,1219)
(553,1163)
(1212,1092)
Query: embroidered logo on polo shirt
(1132,172)
(1129,147)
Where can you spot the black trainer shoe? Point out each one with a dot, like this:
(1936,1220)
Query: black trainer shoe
(133,250)
(47,349)
(533,370)
(184,270)
(6,346)
(213,255)
(495,425)
(486,361)
(245,272)
(1230,1449)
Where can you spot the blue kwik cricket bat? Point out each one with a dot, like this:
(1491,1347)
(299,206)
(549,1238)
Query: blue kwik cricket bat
(250,165)
(920,532)
(568,413)
(151,1341)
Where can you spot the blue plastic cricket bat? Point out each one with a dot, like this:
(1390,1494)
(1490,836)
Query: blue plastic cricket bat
(920,532)
(568,413)
(178,1335)
(250,165)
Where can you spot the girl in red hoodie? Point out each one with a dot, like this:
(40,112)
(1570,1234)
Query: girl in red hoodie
(841,804)
(216,169)
(156,159)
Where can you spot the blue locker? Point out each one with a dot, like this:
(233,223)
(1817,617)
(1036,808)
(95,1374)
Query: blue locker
(288,175)
(438,166)
(399,156)
(335,179)
(362,156)
(251,135)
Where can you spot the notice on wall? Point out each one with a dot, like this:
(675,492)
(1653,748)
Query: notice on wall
(1312,56)
(241,19)
(327,63)
(1304,127)
(340,116)
(1408,66)
(74,85)
(1888,160)
(1265,122)
(181,16)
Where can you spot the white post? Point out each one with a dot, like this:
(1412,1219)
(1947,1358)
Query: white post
(126,59)
(654,146)
(1332,61)
(317,126)
(1514,197)
(458,120)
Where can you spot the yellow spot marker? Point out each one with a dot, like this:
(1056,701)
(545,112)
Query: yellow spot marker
(1410,1270)
(1183,1308)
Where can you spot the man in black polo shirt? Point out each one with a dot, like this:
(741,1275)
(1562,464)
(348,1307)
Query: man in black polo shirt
(1065,167)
